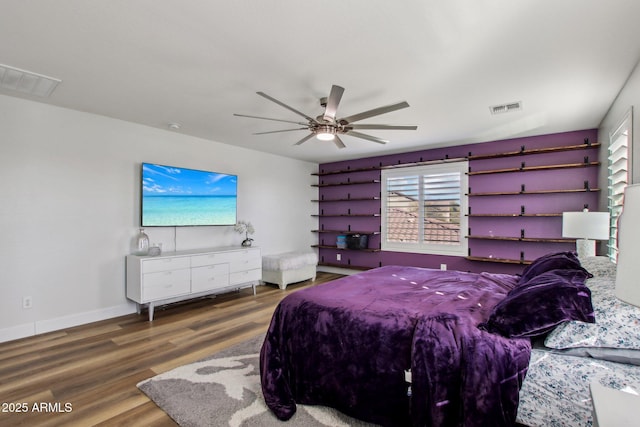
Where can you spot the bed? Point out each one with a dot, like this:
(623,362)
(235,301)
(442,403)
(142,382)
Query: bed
(414,346)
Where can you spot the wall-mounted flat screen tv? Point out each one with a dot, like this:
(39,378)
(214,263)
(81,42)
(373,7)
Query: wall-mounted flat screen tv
(174,196)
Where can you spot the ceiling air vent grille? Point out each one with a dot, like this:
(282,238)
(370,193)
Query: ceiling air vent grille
(506,108)
(26,82)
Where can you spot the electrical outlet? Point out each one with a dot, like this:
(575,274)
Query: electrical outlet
(338,257)
(27,302)
(443,267)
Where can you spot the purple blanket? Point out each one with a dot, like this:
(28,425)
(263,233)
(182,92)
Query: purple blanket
(347,344)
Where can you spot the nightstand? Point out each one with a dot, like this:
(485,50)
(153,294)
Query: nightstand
(614,408)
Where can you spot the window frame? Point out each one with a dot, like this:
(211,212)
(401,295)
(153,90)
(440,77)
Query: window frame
(624,129)
(461,249)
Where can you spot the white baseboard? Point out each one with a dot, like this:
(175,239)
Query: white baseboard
(17,332)
(50,325)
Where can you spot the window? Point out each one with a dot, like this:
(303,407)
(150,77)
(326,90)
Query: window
(424,207)
(618,178)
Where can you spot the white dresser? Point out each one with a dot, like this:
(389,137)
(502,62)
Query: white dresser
(176,276)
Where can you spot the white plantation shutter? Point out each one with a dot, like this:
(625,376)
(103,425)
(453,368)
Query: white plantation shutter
(618,178)
(423,209)
(402,208)
(442,200)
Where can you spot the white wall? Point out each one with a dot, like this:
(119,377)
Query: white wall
(69,209)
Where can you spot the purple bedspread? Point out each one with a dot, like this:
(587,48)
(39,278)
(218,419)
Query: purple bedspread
(347,344)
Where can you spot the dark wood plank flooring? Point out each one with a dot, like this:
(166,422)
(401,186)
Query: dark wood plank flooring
(87,375)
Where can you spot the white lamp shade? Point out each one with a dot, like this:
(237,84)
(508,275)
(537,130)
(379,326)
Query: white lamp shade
(628,270)
(586,225)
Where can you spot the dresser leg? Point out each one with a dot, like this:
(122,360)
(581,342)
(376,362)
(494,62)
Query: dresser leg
(151,307)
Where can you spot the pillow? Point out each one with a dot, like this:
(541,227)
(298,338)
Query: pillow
(540,304)
(553,261)
(599,266)
(617,323)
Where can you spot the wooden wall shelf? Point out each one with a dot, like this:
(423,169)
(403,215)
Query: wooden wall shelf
(524,152)
(535,168)
(345,215)
(526,239)
(345,232)
(500,260)
(344,249)
(341,171)
(338,184)
(509,215)
(356,199)
(516,193)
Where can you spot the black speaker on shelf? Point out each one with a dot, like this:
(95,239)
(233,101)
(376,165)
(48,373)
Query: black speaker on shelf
(358,241)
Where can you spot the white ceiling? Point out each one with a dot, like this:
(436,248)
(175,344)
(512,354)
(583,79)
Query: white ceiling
(197,62)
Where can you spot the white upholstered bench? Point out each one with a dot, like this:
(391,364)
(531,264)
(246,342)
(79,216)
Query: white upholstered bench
(289,267)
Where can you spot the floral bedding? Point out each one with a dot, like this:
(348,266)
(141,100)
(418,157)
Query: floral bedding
(575,354)
(556,392)
(617,323)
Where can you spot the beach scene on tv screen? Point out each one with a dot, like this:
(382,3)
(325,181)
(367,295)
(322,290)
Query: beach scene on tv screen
(173,196)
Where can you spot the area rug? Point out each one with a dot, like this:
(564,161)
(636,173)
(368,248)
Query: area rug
(224,390)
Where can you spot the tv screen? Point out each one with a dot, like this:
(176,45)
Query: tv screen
(174,196)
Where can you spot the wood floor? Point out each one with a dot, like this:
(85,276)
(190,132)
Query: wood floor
(87,375)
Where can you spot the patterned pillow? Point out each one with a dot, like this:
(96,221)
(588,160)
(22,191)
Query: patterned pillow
(537,306)
(617,323)
(553,261)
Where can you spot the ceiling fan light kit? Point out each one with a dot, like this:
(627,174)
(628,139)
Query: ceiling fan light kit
(326,133)
(326,127)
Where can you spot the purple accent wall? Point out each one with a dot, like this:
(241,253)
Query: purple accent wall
(545,227)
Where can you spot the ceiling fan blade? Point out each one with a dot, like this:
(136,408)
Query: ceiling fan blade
(305,139)
(267,118)
(264,95)
(368,137)
(374,112)
(383,127)
(332,103)
(278,131)
(338,142)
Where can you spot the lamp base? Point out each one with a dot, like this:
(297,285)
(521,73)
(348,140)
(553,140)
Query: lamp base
(585,248)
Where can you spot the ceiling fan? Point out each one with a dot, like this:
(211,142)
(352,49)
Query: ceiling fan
(327,127)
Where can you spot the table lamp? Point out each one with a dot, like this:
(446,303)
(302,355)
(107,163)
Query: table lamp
(587,227)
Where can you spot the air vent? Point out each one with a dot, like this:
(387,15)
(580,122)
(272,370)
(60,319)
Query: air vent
(26,82)
(506,108)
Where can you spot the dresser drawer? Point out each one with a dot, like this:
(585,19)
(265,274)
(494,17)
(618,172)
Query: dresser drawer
(212,258)
(164,264)
(209,277)
(245,264)
(249,253)
(245,276)
(166,284)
